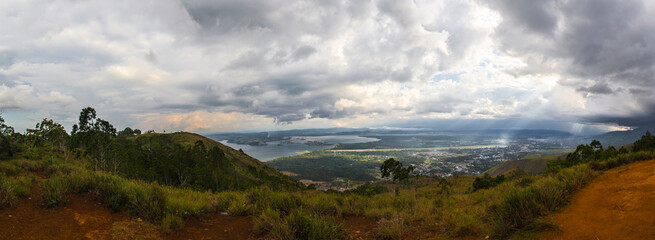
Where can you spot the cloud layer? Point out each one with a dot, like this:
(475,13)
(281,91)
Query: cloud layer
(202,65)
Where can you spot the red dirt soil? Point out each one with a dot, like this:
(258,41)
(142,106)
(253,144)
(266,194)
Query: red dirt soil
(82,219)
(85,218)
(620,204)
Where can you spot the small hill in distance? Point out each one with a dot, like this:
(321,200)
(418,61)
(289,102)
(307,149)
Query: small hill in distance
(533,164)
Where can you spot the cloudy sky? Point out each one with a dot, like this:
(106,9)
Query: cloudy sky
(213,66)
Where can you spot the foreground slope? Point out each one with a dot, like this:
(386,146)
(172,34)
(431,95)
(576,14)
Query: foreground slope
(617,205)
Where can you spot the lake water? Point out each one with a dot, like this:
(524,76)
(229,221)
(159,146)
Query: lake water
(276,149)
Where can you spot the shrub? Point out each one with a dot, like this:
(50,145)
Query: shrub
(304,226)
(8,169)
(391,228)
(147,201)
(324,205)
(54,191)
(462,223)
(267,221)
(239,207)
(486,181)
(297,225)
(172,222)
(7,194)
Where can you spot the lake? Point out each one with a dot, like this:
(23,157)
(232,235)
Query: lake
(276,149)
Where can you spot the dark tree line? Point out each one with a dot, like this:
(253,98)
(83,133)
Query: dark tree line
(487,181)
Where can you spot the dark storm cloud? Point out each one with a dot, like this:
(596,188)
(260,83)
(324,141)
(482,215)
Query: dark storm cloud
(599,88)
(601,44)
(219,17)
(531,15)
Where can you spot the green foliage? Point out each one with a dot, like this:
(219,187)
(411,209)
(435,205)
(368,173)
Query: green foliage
(129,132)
(94,136)
(369,189)
(603,159)
(444,186)
(486,181)
(268,222)
(146,201)
(12,189)
(6,150)
(584,153)
(646,143)
(323,167)
(297,225)
(622,159)
(392,228)
(172,222)
(395,169)
(54,191)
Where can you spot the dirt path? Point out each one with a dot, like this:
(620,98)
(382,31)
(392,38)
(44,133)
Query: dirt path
(620,204)
(215,227)
(82,219)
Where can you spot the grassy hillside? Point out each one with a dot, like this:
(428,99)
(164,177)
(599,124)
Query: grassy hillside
(165,179)
(236,166)
(533,164)
(239,158)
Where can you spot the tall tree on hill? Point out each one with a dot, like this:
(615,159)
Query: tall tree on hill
(5,141)
(395,169)
(646,143)
(51,133)
(94,136)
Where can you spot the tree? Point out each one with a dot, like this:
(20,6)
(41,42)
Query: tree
(51,133)
(94,136)
(129,132)
(646,143)
(5,141)
(395,169)
(487,181)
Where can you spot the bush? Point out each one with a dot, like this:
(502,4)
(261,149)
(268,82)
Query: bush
(267,221)
(324,205)
(297,225)
(54,191)
(172,222)
(487,181)
(148,202)
(391,229)
(304,226)
(8,169)
(622,159)
(7,192)
(239,207)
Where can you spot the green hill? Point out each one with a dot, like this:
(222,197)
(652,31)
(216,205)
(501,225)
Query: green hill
(533,164)
(193,160)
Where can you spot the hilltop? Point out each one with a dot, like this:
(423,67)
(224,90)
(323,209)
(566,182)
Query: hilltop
(533,164)
(247,170)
